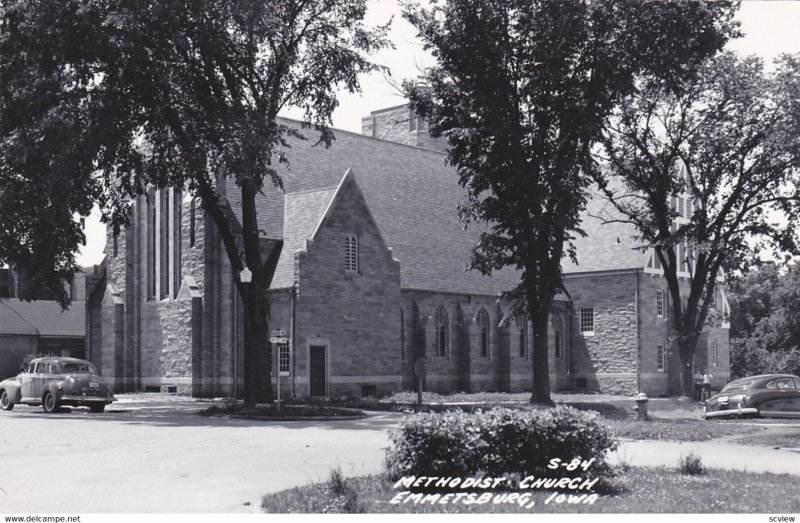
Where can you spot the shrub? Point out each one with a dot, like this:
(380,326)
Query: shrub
(341,497)
(691,464)
(498,442)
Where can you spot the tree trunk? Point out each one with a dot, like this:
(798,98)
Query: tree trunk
(257,364)
(257,386)
(540,392)
(686,349)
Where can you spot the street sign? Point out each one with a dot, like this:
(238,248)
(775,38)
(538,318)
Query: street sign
(278,337)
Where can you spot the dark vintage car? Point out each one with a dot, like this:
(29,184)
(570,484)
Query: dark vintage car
(54,382)
(769,395)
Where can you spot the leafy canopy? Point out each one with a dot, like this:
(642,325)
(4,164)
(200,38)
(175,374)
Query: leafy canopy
(101,99)
(765,333)
(707,174)
(521,90)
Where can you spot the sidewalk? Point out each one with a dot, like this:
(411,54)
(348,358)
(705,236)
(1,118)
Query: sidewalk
(713,454)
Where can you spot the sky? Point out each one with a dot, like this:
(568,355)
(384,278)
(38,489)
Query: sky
(770,28)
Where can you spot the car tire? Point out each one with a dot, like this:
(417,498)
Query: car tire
(5,402)
(49,403)
(97,408)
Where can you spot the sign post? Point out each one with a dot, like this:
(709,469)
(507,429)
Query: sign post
(419,368)
(277,339)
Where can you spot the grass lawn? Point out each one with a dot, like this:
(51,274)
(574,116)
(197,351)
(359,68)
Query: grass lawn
(672,419)
(678,429)
(632,491)
(780,437)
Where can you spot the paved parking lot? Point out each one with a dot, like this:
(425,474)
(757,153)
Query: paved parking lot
(145,455)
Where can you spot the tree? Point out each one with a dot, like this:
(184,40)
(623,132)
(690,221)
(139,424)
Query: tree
(706,174)
(109,98)
(521,91)
(765,334)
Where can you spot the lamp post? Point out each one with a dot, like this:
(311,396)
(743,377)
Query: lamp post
(245,276)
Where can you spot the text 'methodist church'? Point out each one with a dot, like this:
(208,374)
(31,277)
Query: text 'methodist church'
(371,274)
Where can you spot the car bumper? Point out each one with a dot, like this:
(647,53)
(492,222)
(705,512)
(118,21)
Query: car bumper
(730,412)
(86,399)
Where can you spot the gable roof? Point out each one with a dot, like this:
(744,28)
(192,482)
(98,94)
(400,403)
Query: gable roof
(413,197)
(304,211)
(42,318)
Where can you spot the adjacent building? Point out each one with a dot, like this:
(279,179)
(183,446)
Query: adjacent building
(40,326)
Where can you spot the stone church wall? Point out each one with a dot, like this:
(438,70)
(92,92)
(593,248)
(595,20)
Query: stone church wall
(606,359)
(355,315)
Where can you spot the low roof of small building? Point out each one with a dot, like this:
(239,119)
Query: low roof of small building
(42,318)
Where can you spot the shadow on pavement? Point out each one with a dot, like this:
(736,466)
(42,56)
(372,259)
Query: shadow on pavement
(185,415)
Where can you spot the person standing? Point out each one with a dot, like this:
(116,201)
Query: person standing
(698,385)
(706,384)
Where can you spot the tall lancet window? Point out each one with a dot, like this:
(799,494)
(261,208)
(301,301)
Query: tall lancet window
(441,322)
(483,326)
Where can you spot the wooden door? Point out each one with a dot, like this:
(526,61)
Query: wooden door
(318,377)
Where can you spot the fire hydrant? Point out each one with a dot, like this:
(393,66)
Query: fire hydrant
(641,406)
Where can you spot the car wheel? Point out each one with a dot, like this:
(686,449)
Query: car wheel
(49,403)
(5,402)
(97,408)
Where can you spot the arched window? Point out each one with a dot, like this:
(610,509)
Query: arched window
(441,322)
(351,253)
(402,335)
(522,327)
(557,329)
(483,325)
(150,200)
(192,224)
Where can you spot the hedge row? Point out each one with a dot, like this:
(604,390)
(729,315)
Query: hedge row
(498,442)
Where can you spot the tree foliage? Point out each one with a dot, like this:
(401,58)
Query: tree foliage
(765,333)
(709,177)
(101,100)
(521,92)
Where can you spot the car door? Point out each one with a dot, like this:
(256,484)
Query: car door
(783,398)
(27,382)
(793,399)
(39,379)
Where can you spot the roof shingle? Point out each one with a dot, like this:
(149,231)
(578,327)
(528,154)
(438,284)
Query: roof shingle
(413,197)
(609,244)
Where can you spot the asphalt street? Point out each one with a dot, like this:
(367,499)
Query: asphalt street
(159,456)
(151,457)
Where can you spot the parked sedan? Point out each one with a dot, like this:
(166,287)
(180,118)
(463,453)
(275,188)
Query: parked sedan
(769,395)
(53,382)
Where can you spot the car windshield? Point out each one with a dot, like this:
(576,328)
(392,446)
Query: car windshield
(86,368)
(739,384)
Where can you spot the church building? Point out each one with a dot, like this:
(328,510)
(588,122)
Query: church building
(371,274)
